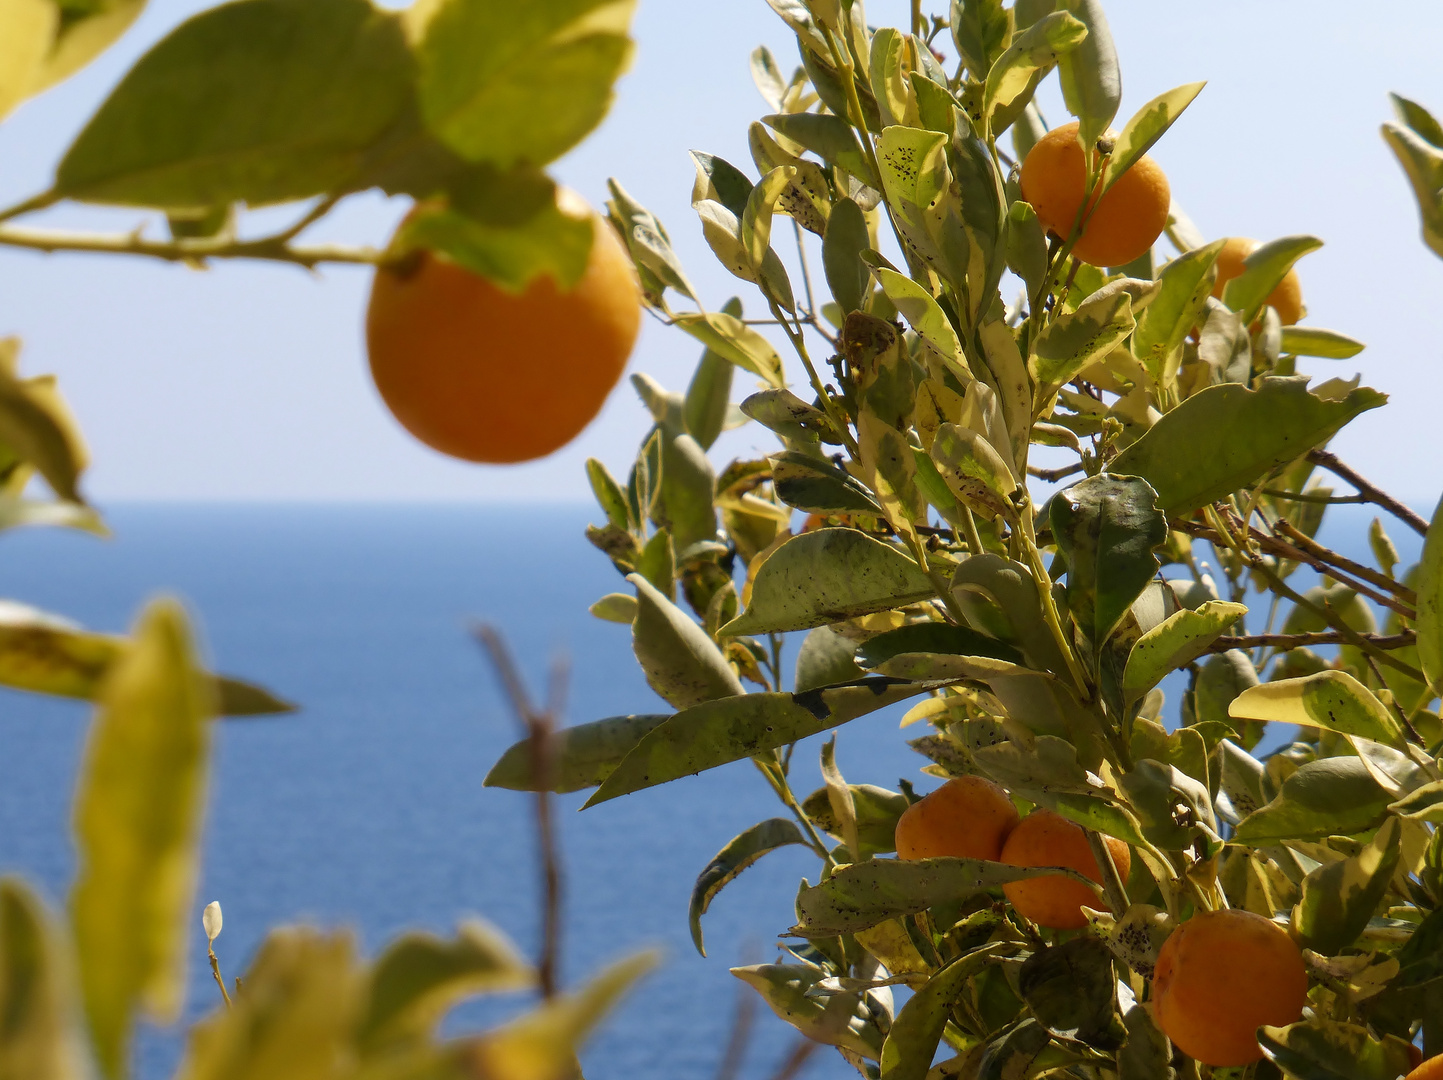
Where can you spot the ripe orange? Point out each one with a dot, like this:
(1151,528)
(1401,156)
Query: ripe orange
(967,817)
(1220,976)
(1287,298)
(483,374)
(1432,1069)
(1125,222)
(1046,838)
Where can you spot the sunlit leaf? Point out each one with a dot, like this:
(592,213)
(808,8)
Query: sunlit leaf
(585,755)
(740,853)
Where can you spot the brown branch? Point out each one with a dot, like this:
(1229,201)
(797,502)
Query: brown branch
(1051,476)
(1374,494)
(193,252)
(801,1051)
(741,1034)
(1302,540)
(1284,642)
(539,727)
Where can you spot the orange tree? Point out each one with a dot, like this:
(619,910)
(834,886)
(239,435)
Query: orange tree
(1275,912)
(458,104)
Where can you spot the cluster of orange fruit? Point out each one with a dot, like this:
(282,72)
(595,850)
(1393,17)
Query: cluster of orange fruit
(1198,1000)
(1126,221)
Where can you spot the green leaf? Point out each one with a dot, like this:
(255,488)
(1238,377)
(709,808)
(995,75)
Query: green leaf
(237,698)
(789,416)
(1147,126)
(608,494)
(40,1030)
(842,246)
(680,661)
(865,894)
(36,426)
(989,587)
(646,238)
(687,486)
(27,31)
(825,658)
(876,811)
(1186,284)
(585,755)
(542,1044)
(831,138)
(730,861)
(721,181)
(708,397)
(1179,640)
(826,576)
(1339,898)
(1070,988)
(816,486)
(259,101)
(1091,81)
(1331,700)
(295,1018)
(912,1041)
(1315,341)
(1034,50)
(1430,601)
(1147,1053)
(926,316)
(1075,340)
(1420,120)
(137,822)
(933,637)
(524,84)
(1026,246)
(975,472)
(420,977)
(731,339)
(554,239)
(825,1019)
(756,221)
(730,729)
(1225,438)
(1320,1049)
(1331,796)
(1422,161)
(1263,271)
(1107,526)
(981,31)
(1012,1053)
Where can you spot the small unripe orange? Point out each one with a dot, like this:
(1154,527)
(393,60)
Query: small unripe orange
(1046,838)
(1220,976)
(968,817)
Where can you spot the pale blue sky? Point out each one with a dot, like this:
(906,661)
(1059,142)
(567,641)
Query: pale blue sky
(249,381)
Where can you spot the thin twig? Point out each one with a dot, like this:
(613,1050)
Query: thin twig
(1367,573)
(1410,732)
(741,1034)
(539,729)
(29,206)
(1051,476)
(215,970)
(802,1049)
(1309,497)
(1285,642)
(270,248)
(1374,494)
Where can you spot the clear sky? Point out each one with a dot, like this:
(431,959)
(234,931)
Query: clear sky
(248,381)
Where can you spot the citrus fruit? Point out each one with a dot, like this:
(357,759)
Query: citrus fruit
(1046,838)
(1432,1069)
(1287,298)
(484,374)
(967,817)
(1220,976)
(1124,223)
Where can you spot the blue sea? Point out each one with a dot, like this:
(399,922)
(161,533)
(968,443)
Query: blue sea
(366,810)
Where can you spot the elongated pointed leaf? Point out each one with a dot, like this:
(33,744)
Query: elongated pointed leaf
(708,397)
(864,894)
(933,637)
(912,1042)
(920,309)
(845,240)
(827,1019)
(40,1034)
(137,823)
(585,754)
(1423,163)
(1315,341)
(1176,642)
(730,861)
(1228,437)
(1034,50)
(1331,796)
(420,977)
(1186,284)
(680,661)
(1091,80)
(1331,700)
(1263,271)
(826,576)
(1073,341)
(1339,898)
(730,338)
(1321,1049)
(816,486)
(829,137)
(730,729)
(975,472)
(1430,601)
(1147,126)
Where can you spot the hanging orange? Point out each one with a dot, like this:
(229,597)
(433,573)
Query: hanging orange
(1287,298)
(1046,838)
(488,375)
(1124,223)
(967,817)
